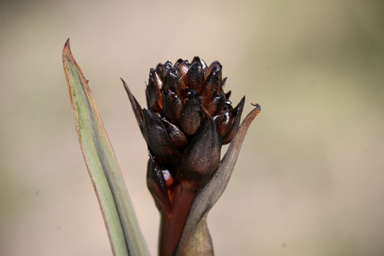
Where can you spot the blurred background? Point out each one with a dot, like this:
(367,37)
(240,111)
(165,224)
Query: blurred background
(310,177)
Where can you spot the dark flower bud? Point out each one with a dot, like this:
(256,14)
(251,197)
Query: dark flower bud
(156,135)
(153,92)
(191,116)
(202,63)
(156,79)
(177,137)
(162,69)
(183,67)
(172,81)
(172,106)
(201,158)
(158,185)
(236,121)
(210,68)
(213,82)
(216,105)
(224,122)
(195,75)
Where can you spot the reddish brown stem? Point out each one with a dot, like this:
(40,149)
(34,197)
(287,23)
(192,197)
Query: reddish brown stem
(172,225)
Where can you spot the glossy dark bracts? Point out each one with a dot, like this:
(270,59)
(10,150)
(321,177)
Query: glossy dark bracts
(188,119)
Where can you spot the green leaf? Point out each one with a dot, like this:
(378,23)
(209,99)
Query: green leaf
(119,216)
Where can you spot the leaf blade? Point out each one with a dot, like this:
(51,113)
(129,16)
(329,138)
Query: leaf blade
(119,216)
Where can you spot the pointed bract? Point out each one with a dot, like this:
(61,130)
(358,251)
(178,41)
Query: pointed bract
(236,122)
(163,69)
(216,105)
(202,156)
(213,82)
(153,91)
(135,106)
(172,106)
(157,185)
(195,75)
(156,135)
(191,114)
(177,137)
(224,122)
(183,67)
(172,81)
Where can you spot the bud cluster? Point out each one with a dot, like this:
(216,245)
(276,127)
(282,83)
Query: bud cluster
(189,118)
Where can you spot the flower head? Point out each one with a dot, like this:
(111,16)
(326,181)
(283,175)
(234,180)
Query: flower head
(189,118)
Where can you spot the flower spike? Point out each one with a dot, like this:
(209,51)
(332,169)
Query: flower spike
(189,118)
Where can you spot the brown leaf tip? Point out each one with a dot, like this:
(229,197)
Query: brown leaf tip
(67,43)
(67,53)
(67,46)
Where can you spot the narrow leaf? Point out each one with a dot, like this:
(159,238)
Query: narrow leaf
(119,216)
(195,238)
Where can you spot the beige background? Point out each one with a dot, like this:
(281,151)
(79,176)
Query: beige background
(310,177)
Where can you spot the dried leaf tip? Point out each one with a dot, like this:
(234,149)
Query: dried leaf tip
(67,48)
(256,105)
(67,43)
